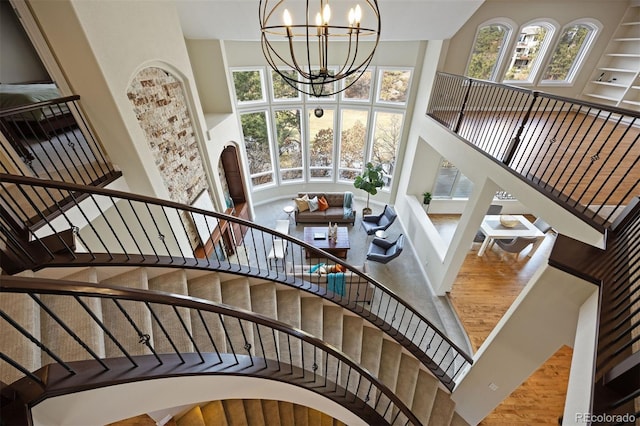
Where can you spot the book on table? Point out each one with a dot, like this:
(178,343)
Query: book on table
(319,235)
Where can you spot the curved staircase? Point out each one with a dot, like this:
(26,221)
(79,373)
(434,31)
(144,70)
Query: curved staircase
(362,342)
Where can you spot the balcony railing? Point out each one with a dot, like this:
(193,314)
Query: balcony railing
(116,228)
(616,270)
(209,339)
(51,140)
(583,155)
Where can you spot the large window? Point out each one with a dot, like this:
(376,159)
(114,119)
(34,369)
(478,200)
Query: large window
(289,144)
(569,52)
(487,51)
(528,52)
(256,142)
(386,140)
(451,183)
(294,138)
(353,138)
(321,144)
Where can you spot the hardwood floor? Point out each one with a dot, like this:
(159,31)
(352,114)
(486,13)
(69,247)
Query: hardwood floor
(483,291)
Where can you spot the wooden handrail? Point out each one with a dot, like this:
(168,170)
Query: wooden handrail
(410,341)
(31,285)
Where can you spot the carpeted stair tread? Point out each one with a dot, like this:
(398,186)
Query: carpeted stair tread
(326,420)
(271,411)
(253,411)
(314,417)
(236,293)
(289,313)
(370,356)
(173,282)
(207,287)
(234,410)
(407,378)
(26,312)
(301,418)
(424,396)
(141,420)
(332,334)
(77,319)
(213,414)
(457,420)
(311,314)
(389,365)
(443,407)
(352,329)
(287,418)
(117,323)
(263,301)
(193,417)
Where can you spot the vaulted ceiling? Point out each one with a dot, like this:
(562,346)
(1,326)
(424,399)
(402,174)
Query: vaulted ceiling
(402,20)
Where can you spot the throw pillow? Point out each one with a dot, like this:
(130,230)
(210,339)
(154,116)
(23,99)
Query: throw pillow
(340,268)
(302,203)
(323,204)
(315,268)
(313,204)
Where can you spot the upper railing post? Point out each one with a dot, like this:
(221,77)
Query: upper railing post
(514,144)
(462,108)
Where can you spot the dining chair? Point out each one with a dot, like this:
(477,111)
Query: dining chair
(515,245)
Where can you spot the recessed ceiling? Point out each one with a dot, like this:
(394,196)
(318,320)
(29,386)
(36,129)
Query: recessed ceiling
(401,19)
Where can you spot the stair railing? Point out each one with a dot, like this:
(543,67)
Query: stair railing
(52,140)
(211,339)
(583,155)
(114,228)
(616,270)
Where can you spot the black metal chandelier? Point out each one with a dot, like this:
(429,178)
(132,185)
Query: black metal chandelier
(311,54)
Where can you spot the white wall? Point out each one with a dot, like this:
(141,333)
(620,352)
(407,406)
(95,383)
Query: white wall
(19,61)
(96,407)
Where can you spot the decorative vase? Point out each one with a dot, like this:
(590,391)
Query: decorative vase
(366,211)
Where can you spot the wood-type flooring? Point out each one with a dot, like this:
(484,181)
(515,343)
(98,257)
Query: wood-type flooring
(483,291)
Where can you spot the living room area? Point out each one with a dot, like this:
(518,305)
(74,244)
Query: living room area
(483,291)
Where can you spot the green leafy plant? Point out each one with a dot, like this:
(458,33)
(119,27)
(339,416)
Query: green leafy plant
(426,197)
(370,180)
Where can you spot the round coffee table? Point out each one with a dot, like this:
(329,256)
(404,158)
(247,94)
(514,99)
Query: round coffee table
(381,234)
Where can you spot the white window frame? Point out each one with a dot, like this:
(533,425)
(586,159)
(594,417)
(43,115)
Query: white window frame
(552,30)
(578,63)
(263,82)
(506,46)
(378,88)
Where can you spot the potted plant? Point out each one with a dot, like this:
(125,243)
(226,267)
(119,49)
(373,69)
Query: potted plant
(369,181)
(426,198)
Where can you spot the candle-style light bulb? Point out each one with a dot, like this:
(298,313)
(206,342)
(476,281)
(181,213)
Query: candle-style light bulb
(286,17)
(326,13)
(318,19)
(358,14)
(352,17)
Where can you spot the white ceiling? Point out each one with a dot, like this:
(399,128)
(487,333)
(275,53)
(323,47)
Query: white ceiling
(400,19)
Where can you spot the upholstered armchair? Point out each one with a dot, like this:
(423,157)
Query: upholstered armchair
(383,251)
(373,223)
(516,245)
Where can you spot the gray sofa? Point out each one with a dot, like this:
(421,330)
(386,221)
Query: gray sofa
(335,212)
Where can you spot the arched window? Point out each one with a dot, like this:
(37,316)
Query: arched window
(570,51)
(488,50)
(529,51)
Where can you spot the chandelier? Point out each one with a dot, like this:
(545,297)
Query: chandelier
(311,52)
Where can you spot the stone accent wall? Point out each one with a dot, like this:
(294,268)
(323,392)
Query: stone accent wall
(160,106)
